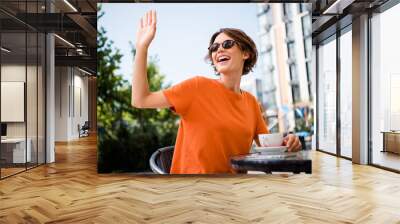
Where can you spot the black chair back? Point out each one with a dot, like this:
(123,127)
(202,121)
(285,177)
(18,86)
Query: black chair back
(161,159)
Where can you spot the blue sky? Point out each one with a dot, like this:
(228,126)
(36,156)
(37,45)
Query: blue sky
(183,33)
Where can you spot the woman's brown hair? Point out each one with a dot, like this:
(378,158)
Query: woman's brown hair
(245,43)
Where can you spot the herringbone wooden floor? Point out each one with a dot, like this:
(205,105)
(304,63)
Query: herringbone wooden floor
(70,191)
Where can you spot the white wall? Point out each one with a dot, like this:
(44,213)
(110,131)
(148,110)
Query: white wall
(61,103)
(81,83)
(71,94)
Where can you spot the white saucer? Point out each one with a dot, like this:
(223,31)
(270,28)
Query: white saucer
(271,149)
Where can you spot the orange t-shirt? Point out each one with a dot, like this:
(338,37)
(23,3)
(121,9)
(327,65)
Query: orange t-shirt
(216,124)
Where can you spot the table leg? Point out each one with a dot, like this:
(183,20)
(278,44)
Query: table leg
(308,169)
(384,142)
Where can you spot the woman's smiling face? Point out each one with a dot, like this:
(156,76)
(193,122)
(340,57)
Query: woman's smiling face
(228,60)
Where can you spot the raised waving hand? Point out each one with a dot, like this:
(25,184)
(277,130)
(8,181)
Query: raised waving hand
(146,29)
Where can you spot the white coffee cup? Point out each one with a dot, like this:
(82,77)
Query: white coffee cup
(271,140)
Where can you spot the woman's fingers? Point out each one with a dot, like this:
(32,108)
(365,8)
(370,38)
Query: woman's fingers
(295,146)
(141,22)
(293,143)
(149,19)
(145,20)
(155,18)
(291,148)
(146,29)
(299,146)
(152,18)
(290,142)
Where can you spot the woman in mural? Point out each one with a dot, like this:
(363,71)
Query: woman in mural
(218,119)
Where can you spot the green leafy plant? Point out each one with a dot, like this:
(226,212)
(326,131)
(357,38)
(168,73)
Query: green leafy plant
(304,124)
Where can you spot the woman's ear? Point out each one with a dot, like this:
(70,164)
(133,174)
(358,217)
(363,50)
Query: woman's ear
(246,55)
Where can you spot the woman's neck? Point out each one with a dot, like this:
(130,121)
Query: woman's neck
(231,81)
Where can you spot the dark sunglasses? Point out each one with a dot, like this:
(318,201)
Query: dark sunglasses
(226,45)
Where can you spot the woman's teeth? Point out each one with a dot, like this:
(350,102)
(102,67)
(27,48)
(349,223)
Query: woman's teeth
(223,58)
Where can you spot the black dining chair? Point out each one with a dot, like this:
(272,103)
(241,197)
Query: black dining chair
(161,159)
(84,129)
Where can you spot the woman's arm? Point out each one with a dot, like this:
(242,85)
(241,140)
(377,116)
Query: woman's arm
(257,140)
(141,95)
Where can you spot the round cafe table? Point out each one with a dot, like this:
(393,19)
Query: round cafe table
(295,162)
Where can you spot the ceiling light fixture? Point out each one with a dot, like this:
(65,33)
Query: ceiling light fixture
(337,7)
(86,72)
(79,51)
(5,50)
(64,40)
(70,5)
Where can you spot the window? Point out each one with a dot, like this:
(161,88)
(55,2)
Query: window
(307,47)
(306,25)
(309,80)
(304,7)
(327,96)
(264,8)
(346,94)
(293,73)
(294,79)
(270,99)
(385,87)
(291,50)
(266,21)
(286,9)
(289,30)
(296,93)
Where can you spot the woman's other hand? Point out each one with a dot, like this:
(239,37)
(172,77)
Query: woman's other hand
(146,30)
(292,142)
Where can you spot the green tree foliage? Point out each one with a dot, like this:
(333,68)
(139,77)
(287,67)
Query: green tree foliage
(127,136)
